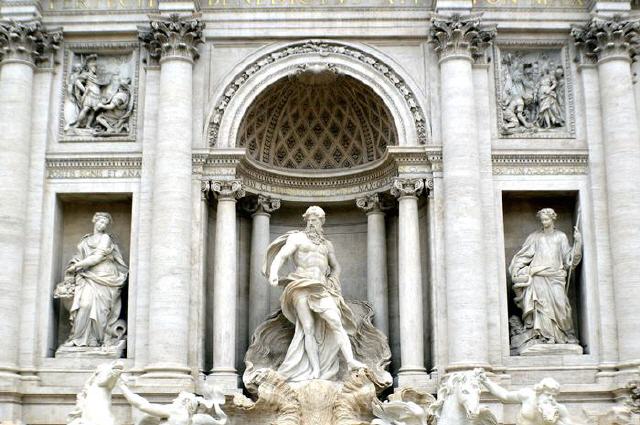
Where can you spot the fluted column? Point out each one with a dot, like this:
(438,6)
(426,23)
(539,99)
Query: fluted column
(412,371)
(260,208)
(377,292)
(612,42)
(22,44)
(457,40)
(173,42)
(225,285)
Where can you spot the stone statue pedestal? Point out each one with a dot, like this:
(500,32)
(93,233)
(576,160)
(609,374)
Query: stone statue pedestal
(551,350)
(111,352)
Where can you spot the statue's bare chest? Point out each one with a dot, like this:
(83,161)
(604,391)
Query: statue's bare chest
(309,248)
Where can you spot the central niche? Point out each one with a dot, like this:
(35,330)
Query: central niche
(317,120)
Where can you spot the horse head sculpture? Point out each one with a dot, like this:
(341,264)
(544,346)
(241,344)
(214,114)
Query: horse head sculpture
(458,402)
(93,404)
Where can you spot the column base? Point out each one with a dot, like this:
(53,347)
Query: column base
(628,371)
(416,377)
(166,375)
(9,378)
(225,379)
(461,367)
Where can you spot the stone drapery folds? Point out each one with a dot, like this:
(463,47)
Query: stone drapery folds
(174,36)
(27,41)
(459,35)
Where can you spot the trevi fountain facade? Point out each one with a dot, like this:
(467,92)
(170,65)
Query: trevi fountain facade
(319,212)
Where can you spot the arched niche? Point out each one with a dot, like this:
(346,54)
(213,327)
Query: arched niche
(273,63)
(317,120)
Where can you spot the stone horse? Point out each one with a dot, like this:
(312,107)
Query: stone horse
(93,403)
(458,402)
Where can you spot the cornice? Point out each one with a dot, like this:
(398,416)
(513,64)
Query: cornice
(90,167)
(540,163)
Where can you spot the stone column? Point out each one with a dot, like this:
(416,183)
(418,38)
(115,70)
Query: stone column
(457,40)
(612,43)
(173,42)
(377,292)
(22,45)
(260,209)
(412,371)
(225,284)
(597,184)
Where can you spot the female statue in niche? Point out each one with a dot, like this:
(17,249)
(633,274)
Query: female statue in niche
(91,291)
(539,274)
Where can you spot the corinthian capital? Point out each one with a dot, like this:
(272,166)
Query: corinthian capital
(261,204)
(227,189)
(173,37)
(460,35)
(602,39)
(407,187)
(27,41)
(370,203)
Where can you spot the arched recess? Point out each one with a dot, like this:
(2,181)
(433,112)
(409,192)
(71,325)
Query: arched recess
(272,63)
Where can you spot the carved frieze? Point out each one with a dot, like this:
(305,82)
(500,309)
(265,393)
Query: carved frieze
(534,93)
(543,163)
(100,93)
(460,35)
(27,41)
(174,37)
(120,167)
(600,38)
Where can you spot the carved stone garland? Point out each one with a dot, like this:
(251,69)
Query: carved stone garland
(315,46)
(27,41)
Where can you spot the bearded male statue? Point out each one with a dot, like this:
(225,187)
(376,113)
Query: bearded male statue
(312,301)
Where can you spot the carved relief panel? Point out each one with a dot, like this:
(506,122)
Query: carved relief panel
(99,92)
(534,93)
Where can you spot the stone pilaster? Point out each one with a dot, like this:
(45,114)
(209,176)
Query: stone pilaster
(260,208)
(225,286)
(459,40)
(174,42)
(412,371)
(377,288)
(21,46)
(612,43)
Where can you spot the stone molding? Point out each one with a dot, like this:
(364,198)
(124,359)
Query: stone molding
(528,45)
(323,47)
(173,37)
(27,42)
(603,39)
(407,187)
(543,163)
(94,167)
(227,189)
(460,36)
(363,183)
(101,47)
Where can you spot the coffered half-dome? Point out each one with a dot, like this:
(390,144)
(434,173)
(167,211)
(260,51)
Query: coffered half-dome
(317,120)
